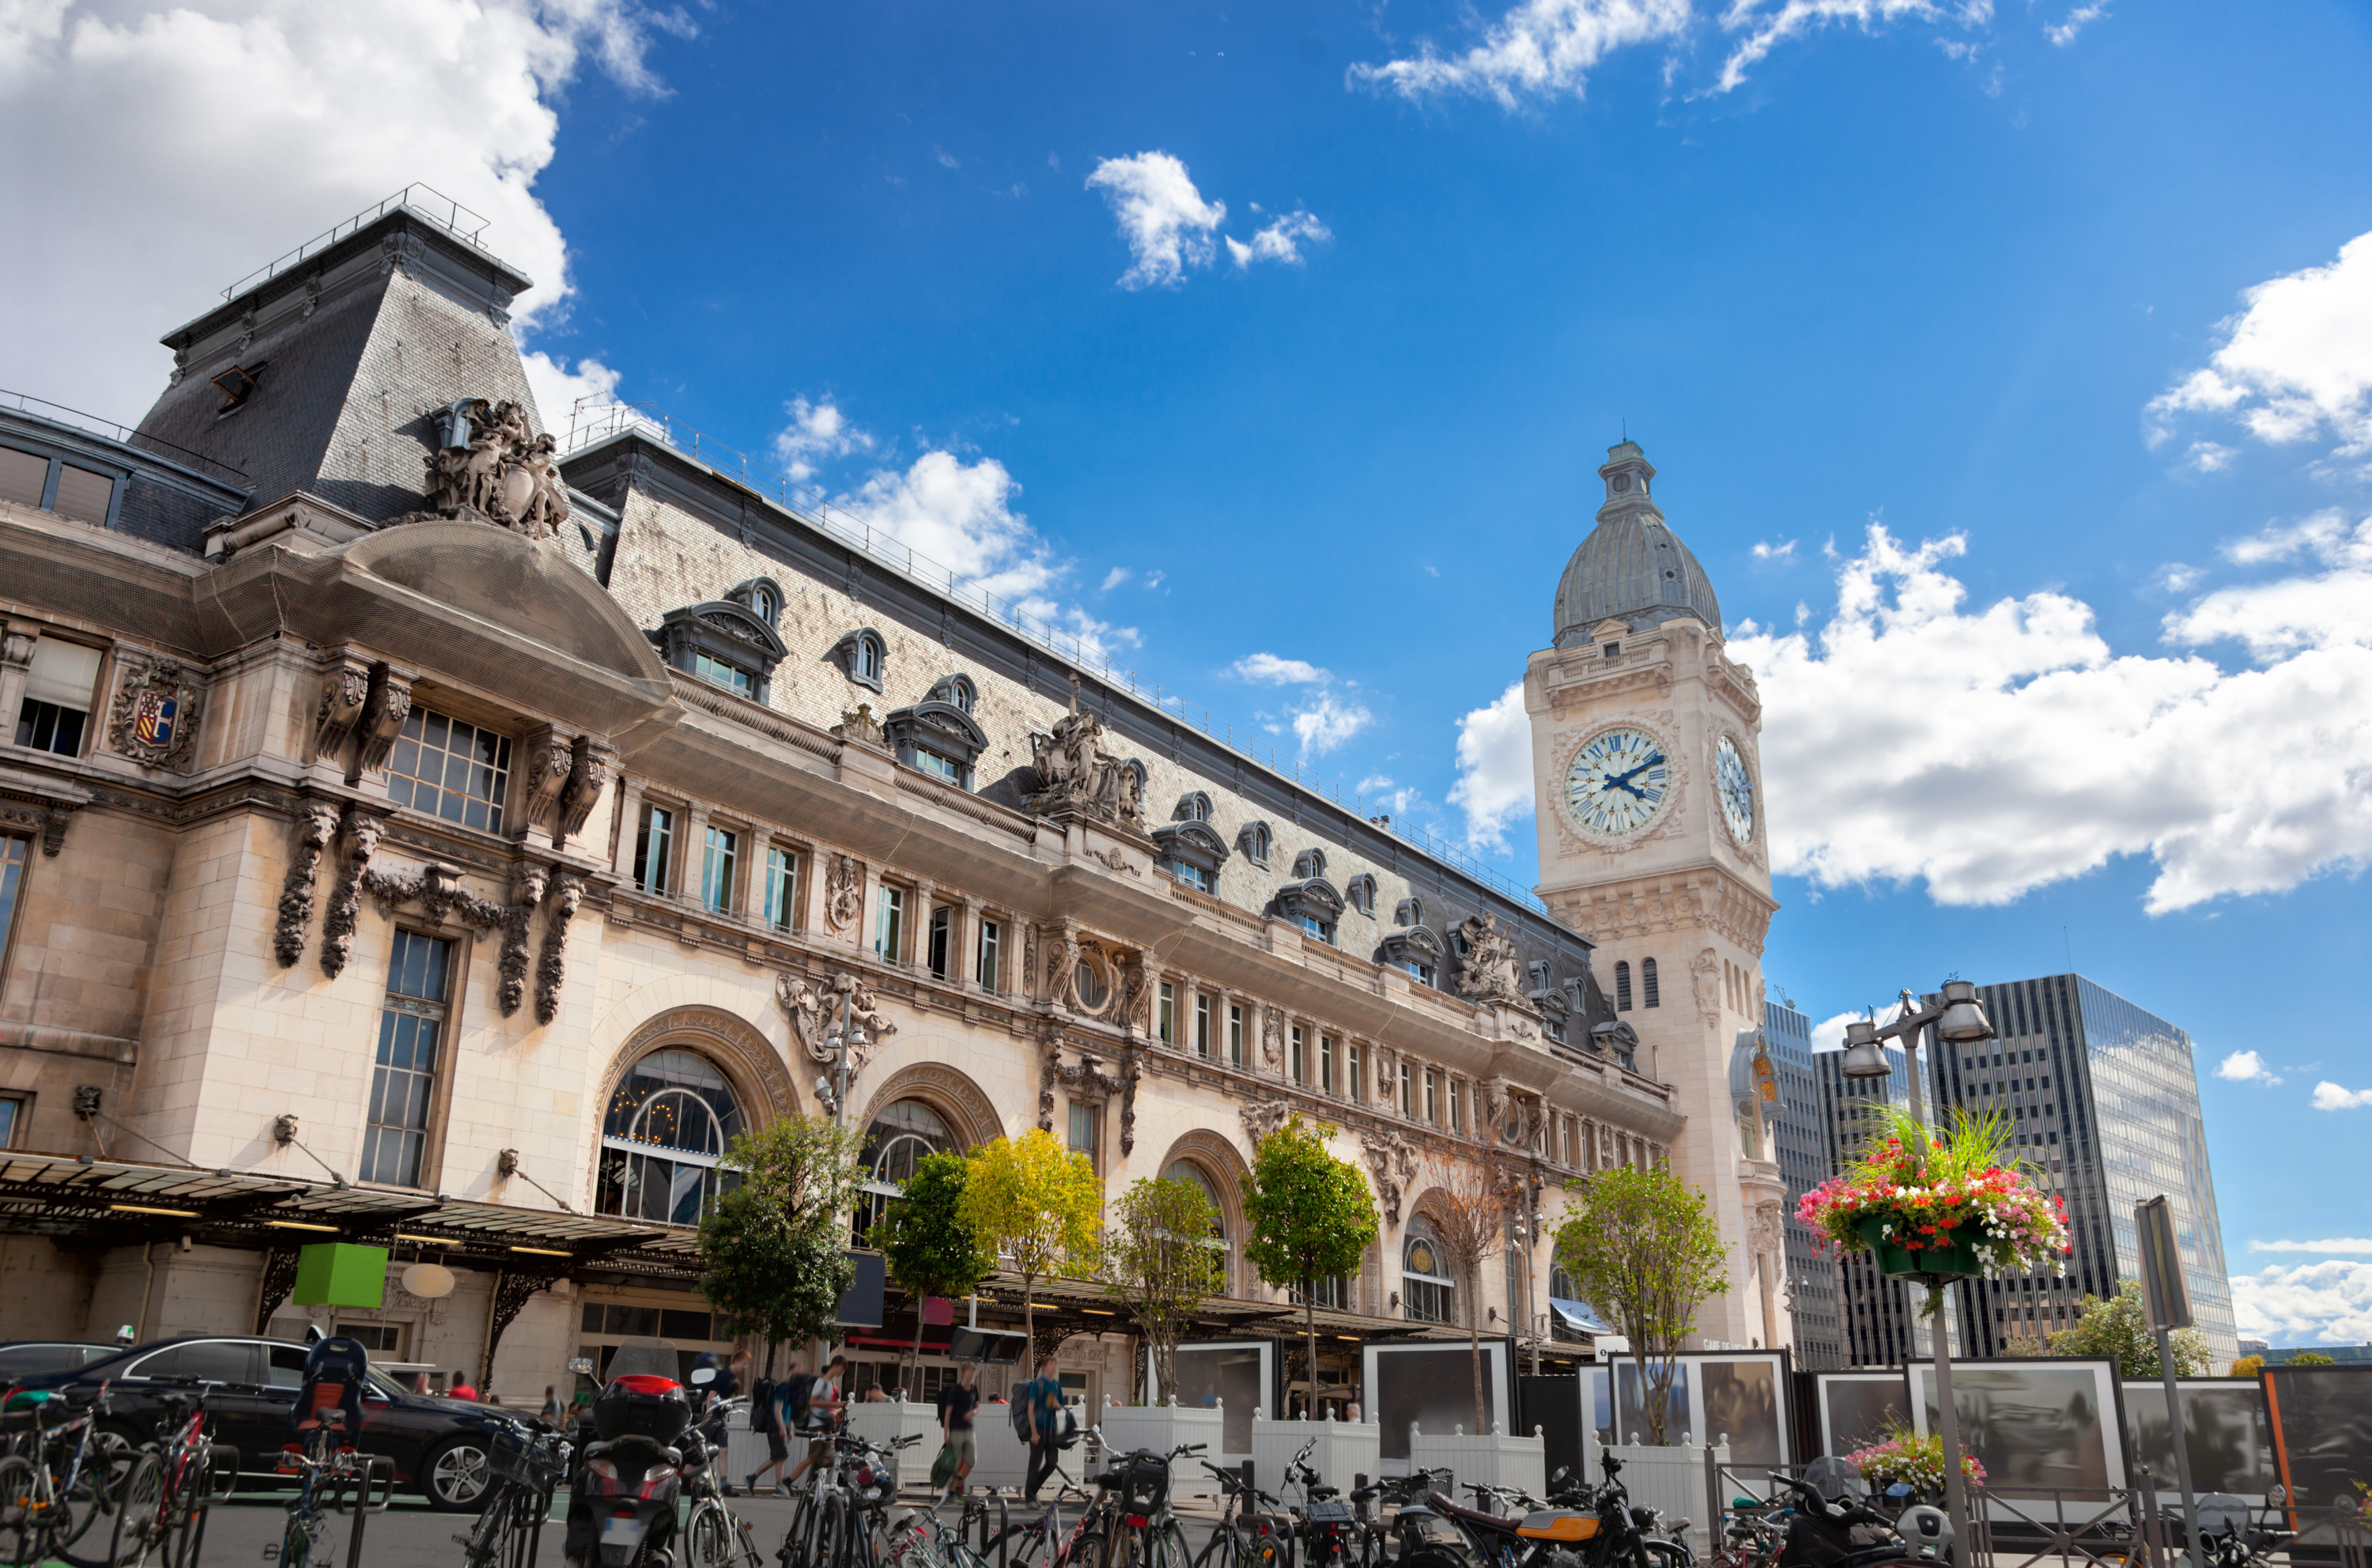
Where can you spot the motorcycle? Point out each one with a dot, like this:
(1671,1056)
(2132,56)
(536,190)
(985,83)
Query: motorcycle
(621,1511)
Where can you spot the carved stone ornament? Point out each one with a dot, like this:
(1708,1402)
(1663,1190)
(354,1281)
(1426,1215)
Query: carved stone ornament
(1271,1036)
(489,467)
(844,891)
(551,968)
(1704,979)
(343,690)
(1769,1233)
(317,823)
(1486,970)
(1391,1160)
(386,706)
(590,764)
(1077,777)
(550,755)
(155,720)
(858,727)
(1263,1117)
(814,1011)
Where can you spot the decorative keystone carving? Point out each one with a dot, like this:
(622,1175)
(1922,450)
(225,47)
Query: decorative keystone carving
(1704,979)
(155,721)
(1077,777)
(551,966)
(358,839)
(1486,965)
(844,891)
(437,892)
(528,885)
(590,764)
(550,757)
(1263,1117)
(1271,1037)
(17,646)
(385,706)
(317,823)
(343,690)
(1391,1160)
(814,1012)
(490,468)
(45,814)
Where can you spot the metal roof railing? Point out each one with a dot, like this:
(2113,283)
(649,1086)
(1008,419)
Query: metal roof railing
(601,420)
(124,435)
(426,200)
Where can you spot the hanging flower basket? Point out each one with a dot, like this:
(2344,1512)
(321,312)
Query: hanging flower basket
(1940,1209)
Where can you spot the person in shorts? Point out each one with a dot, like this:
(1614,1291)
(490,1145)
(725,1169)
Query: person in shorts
(959,1401)
(776,1420)
(824,1405)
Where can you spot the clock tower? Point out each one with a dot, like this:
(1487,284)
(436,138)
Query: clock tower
(1652,845)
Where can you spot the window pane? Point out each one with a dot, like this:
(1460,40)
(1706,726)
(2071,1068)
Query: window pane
(13,856)
(23,476)
(451,768)
(404,1078)
(81,494)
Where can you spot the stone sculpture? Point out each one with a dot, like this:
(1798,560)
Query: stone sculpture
(1077,777)
(1486,971)
(489,467)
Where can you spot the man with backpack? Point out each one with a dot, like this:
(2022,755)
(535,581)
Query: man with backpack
(768,1414)
(958,1400)
(814,1408)
(1039,1416)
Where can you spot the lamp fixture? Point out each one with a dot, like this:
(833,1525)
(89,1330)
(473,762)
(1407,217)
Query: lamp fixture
(1864,1058)
(144,1209)
(546,1252)
(300,1225)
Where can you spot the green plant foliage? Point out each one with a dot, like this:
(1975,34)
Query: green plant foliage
(1158,1257)
(773,1247)
(1309,1215)
(1640,1246)
(929,1247)
(1037,1204)
(2303,1358)
(2118,1327)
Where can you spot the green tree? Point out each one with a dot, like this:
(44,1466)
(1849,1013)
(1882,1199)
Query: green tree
(1036,1204)
(1468,1208)
(929,1247)
(1159,1259)
(1641,1247)
(773,1247)
(1310,1216)
(2303,1358)
(2248,1367)
(2118,1327)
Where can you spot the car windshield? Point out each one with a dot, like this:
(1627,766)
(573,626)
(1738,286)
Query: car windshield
(650,1358)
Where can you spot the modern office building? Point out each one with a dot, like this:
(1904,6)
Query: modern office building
(2102,1100)
(1799,1138)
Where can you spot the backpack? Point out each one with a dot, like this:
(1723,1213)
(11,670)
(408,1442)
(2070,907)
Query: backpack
(762,1405)
(796,1390)
(1024,1402)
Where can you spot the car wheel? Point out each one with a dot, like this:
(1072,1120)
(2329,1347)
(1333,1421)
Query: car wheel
(454,1477)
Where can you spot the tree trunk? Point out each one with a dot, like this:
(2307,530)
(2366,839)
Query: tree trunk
(1474,1344)
(1309,1322)
(1029,1323)
(1654,1396)
(914,1360)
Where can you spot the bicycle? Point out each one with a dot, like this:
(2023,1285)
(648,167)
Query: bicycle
(715,1537)
(1147,1533)
(51,1499)
(842,1524)
(333,1480)
(1243,1538)
(525,1462)
(164,1496)
(1041,1543)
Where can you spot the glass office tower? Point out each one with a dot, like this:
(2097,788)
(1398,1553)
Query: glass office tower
(1799,1138)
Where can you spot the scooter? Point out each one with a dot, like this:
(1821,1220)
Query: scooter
(622,1513)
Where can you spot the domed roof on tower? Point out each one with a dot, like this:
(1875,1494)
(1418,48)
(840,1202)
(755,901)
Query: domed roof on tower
(1633,566)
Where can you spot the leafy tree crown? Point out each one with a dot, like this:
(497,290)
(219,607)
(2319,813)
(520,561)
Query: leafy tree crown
(1309,1215)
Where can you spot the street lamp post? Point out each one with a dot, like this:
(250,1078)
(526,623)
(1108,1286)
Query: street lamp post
(1959,1018)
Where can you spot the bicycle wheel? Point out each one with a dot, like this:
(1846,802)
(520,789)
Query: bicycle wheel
(139,1513)
(1666,1554)
(482,1547)
(90,1511)
(708,1537)
(20,1537)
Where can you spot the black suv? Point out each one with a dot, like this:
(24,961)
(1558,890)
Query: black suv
(438,1445)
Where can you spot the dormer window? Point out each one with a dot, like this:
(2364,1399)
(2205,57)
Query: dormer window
(762,598)
(1360,894)
(1409,911)
(1621,483)
(1191,850)
(1413,949)
(1314,903)
(862,656)
(1613,650)
(1309,862)
(723,643)
(1192,807)
(957,691)
(936,737)
(1255,840)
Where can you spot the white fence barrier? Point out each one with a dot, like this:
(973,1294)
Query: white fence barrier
(1491,1458)
(1343,1449)
(1164,1427)
(1673,1478)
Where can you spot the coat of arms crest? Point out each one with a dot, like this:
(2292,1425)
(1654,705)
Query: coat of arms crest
(156,716)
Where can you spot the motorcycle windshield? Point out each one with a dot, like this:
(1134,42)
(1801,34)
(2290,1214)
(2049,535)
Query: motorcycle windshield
(648,1358)
(1837,1479)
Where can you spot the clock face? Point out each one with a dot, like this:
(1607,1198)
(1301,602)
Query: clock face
(1619,782)
(1736,787)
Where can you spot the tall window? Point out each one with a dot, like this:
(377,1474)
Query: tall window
(718,857)
(58,688)
(1086,1127)
(654,849)
(1408,1090)
(1433,1097)
(1354,1070)
(664,1140)
(1648,982)
(404,1080)
(14,855)
(1166,1019)
(1326,1064)
(1322,930)
(899,1136)
(733,678)
(782,888)
(890,924)
(1182,1170)
(943,932)
(1427,1294)
(1622,987)
(1202,1027)
(1457,1107)
(12,1112)
(452,770)
(1235,1034)
(984,969)
(1295,1056)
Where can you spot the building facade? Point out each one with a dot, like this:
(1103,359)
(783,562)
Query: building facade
(419,830)
(1799,1138)
(2102,1100)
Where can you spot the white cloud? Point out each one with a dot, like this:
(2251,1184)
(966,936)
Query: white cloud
(961,516)
(2063,32)
(1276,671)
(2246,1067)
(947,159)
(2296,363)
(1828,1034)
(817,433)
(1114,579)
(1280,241)
(1541,47)
(157,141)
(2329,1096)
(1767,28)
(1765,550)
(558,389)
(2327,1302)
(1495,769)
(1996,751)
(1164,219)
(2209,456)
(2334,1244)
(2324,610)
(1327,721)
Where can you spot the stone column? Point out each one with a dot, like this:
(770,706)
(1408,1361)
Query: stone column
(630,829)
(16,659)
(961,916)
(916,937)
(691,866)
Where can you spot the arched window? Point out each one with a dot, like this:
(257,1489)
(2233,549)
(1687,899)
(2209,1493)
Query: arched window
(894,1143)
(1187,1172)
(862,656)
(763,605)
(1622,987)
(1360,894)
(1255,841)
(1648,982)
(1427,1292)
(667,1128)
(957,691)
(1309,862)
(1192,807)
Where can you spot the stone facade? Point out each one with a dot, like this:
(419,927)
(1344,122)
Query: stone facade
(427,720)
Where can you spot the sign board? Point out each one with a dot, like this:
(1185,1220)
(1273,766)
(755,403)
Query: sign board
(994,1346)
(2167,1298)
(339,1274)
(860,1305)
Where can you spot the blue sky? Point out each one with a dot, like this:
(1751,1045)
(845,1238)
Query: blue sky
(1979,275)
